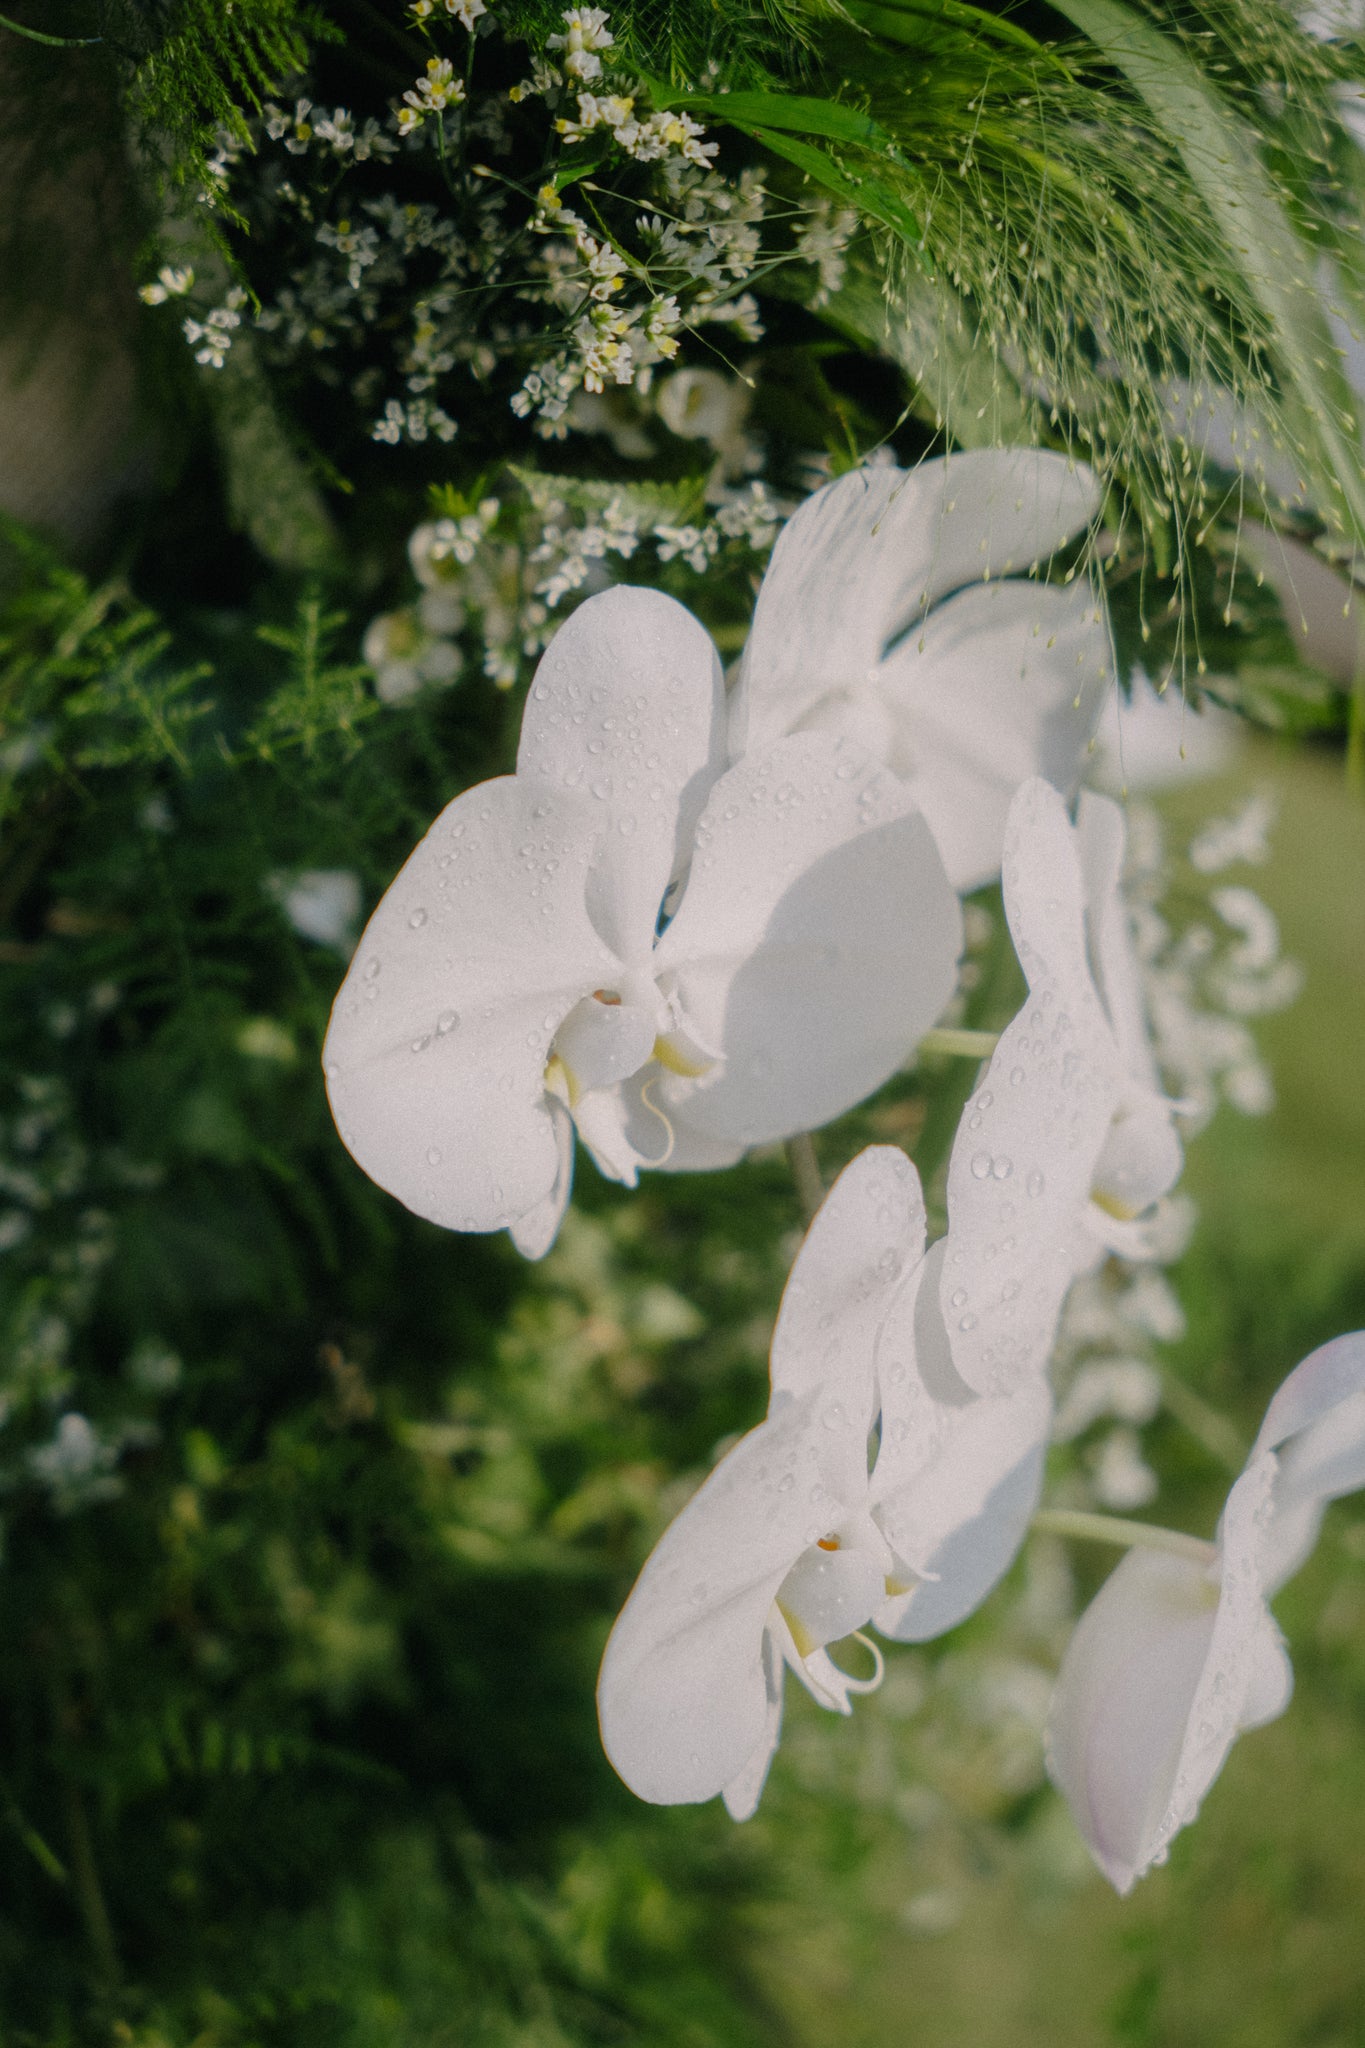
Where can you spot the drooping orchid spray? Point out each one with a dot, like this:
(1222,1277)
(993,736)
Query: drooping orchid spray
(684,928)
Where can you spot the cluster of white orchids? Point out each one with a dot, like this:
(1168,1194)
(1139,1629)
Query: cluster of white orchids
(687,926)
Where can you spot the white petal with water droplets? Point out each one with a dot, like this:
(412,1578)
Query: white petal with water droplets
(1023,1161)
(867,1237)
(745,1789)
(536,1231)
(627,708)
(683,1697)
(602,1043)
(1316,1423)
(1003,681)
(816,942)
(957,1474)
(870,552)
(1168,1664)
(436,1049)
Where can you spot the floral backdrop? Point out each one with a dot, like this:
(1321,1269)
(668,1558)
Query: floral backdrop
(681,1229)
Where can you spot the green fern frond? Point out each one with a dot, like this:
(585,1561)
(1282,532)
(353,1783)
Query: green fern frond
(321,702)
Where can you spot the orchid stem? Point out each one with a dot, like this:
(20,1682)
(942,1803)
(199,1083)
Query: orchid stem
(1218,1436)
(36,35)
(1126,1535)
(810,1186)
(967,1045)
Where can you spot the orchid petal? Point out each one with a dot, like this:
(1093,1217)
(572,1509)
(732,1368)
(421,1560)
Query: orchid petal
(816,942)
(683,1697)
(600,1122)
(861,558)
(868,1234)
(1003,681)
(830,1593)
(627,709)
(601,1043)
(1317,1423)
(745,1789)
(1164,1669)
(1319,1383)
(1023,1161)
(833,1688)
(1141,1157)
(957,1476)
(436,1050)
(1122,1702)
(536,1231)
(1100,845)
(1142,1154)
(657,1138)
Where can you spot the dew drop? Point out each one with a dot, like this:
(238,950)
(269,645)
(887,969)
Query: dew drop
(1035,1182)
(1002,1167)
(434,1156)
(958,1298)
(1017,1077)
(981,1166)
(447,1021)
(417,920)
(371,969)
(786,1483)
(967,1322)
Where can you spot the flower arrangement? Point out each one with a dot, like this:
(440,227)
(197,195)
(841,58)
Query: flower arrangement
(653,627)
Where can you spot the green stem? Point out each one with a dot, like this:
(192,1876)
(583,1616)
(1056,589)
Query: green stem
(1355,715)
(967,1045)
(1126,1535)
(1218,1436)
(805,1168)
(35,35)
(86,1882)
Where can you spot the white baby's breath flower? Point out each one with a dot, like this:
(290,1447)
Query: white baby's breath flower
(586,36)
(172,282)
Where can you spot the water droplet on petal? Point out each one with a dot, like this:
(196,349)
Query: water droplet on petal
(434,1156)
(959,1297)
(1002,1167)
(1035,1183)
(967,1322)
(417,920)
(371,969)
(981,1166)
(447,1021)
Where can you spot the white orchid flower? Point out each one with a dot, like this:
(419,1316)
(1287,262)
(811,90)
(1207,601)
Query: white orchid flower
(514,981)
(1178,1654)
(1068,1140)
(898,608)
(792,1543)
